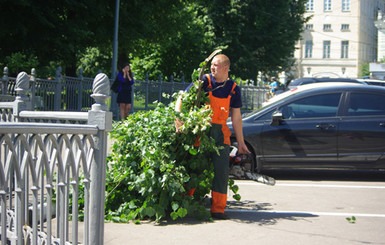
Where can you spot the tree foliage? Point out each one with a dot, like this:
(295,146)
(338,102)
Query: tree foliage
(54,30)
(260,34)
(165,37)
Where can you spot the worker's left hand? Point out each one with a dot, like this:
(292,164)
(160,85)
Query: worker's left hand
(242,148)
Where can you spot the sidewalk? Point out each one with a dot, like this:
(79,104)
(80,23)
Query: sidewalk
(186,231)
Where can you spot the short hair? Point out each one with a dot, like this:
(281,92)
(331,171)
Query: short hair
(223,58)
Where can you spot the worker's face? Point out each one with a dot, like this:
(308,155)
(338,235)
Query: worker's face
(218,69)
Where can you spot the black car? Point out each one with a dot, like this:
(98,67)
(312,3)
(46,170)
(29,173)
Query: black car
(308,80)
(338,127)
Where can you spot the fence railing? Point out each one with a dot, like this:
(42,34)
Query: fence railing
(50,160)
(73,93)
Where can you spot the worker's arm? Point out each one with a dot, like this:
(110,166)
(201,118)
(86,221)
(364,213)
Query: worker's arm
(178,104)
(178,107)
(236,119)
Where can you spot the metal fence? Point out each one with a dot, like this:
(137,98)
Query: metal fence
(73,93)
(48,162)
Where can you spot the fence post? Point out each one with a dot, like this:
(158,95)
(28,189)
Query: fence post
(147,85)
(132,96)
(33,87)
(259,79)
(21,103)
(100,116)
(160,89)
(282,78)
(184,82)
(57,96)
(252,98)
(5,80)
(172,84)
(80,90)
(114,105)
(21,88)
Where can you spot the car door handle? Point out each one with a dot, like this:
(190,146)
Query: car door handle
(382,124)
(325,126)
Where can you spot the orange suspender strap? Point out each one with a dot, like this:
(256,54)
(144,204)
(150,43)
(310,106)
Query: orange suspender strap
(232,90)
(209,80)
(210,86)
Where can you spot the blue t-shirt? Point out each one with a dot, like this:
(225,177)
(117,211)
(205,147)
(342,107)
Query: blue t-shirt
(235,101)
(273,85)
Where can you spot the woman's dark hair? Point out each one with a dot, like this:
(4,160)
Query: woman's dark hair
(127,64)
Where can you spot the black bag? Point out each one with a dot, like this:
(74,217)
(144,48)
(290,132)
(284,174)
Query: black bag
(115,85)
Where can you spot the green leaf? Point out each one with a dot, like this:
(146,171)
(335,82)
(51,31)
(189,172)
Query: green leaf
(237,197)
(193,151)
(174,215)
(150,212)
(174,206)
(351,220)
(235,188)
(182,212)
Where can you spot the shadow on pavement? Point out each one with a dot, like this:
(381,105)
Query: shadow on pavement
(246,212)
(261,213)
(263,218)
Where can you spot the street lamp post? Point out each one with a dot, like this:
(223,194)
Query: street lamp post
(114,107)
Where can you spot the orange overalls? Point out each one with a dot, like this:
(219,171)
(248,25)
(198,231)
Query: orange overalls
(220,132)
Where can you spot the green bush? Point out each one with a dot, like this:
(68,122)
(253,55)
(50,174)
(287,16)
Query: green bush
(151,166)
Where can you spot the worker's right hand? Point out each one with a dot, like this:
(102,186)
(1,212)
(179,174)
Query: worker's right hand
(178,125)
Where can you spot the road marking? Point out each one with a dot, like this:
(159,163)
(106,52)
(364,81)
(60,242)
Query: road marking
(334,186)
(319,185)
(307,213)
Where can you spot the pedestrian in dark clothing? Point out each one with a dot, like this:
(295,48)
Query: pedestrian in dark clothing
(124,91)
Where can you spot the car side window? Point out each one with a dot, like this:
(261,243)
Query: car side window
(266,116)
(366,104)
(323,105)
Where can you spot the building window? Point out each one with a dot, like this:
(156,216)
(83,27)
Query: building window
(327,27)
(345,27)
(327,5)
(309,27)
(326,50)
(308,49)
(310,5)
(345,5)
(344,49)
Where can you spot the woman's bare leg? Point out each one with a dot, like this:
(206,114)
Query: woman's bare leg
(124,110)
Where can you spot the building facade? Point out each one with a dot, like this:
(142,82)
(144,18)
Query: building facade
(338,39)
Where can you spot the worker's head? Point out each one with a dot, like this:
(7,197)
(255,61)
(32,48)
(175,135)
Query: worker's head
(220,66)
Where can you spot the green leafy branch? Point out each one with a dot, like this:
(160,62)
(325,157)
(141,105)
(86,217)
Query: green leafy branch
(152,167)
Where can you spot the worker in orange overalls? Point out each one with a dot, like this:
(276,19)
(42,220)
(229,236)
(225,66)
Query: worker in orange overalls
(224,95)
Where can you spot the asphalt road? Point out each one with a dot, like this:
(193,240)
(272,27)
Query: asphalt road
(302,208)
